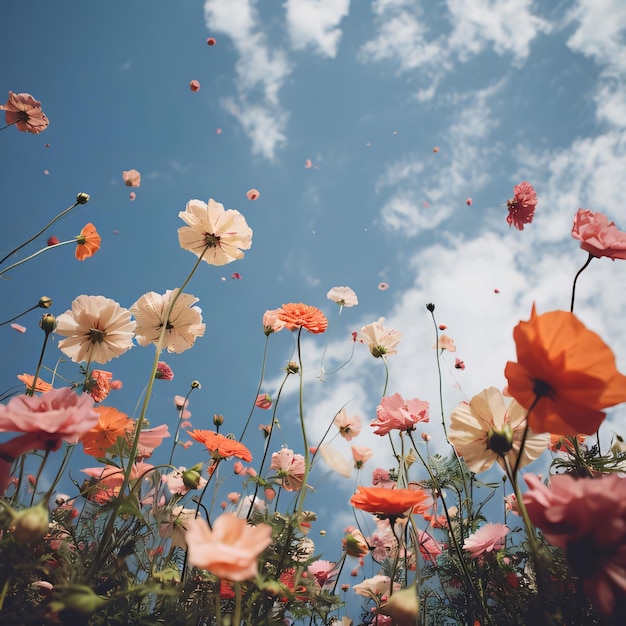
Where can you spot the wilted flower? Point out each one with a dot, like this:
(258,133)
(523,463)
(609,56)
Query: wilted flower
(98,385)
(343,296)
(381,340)
(522,206)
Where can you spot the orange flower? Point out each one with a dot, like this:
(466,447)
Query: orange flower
(98,385)
(111,425)
(87,243)
(299,315)
(387,501)
(567,370)
(41,385)
(219,446)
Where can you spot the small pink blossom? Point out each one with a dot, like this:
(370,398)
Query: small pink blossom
(361,455)
(446,343)
(164,371)
(290,468)
(131,178)
(349,427)
(194,85)
(252,194)
(522,206)
(263,401)
(599,236)
(271,322)
(486,539)
(396,413)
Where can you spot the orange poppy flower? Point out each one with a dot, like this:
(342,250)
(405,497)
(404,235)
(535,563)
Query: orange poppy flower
(41,385)
(87,243)
(568,370)
(299,315)
(111,425)
(387,501)
(219,446)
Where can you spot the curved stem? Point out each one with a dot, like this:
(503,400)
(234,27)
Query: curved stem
(32,256)
(32,308)
(386,374)
(31,390)
(258,389)
(580,271)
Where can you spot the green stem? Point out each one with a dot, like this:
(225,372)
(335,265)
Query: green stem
(237,614)
(258,389)
(32,256)
(32,308)
(305,442)
(31,390)
(386,374)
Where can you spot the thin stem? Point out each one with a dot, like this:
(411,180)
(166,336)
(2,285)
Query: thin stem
(39,472)
(32,256)
(237,614)
(31,390)
(580,271)
(386,374)
(302,494)
(32,308)
(3,128)
(258,390)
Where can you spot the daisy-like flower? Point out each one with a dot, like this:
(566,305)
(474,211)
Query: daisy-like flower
(87,243)
(349,427)
(484,430)
(343,296)
(97,329)
(380,340)
(522,206)
(486,539)
(396,413)
(298,315)
(219,446)
(184,325)
(392,502)
(111,425)
(223,234)
(290,468)
(25,112)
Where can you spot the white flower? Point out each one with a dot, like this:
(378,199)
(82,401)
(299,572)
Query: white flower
(344,296)
(98,329)
(226,233)
(380,340)
(183,326)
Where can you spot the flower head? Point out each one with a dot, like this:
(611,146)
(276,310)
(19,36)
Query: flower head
(566,371)
(218,234)
(132,178)
(598,236)
(98,329)
(263,401)
(40,386)
(361,455)
(98,385)
(25,112)
(381,340)
(87,243)
(184,324)
(488,538)
(478,431)
(299,315)
(396,413)
(392,502)
(290,468)
(522,206)
(343,296)
(219,446)
(111,425)
(163,371)
(272,322)
(349,427)
(230,549)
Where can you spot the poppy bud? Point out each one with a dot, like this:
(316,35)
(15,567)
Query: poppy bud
(192,476)
(292,368)
(48,323)
(82,198)
(31,525)
(218,419)
(196,384)
(44,302)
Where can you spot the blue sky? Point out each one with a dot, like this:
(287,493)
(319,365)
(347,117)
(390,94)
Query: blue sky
(507,90)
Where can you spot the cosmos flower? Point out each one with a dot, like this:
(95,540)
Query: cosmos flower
(184,324)
(111,425)
(567,371)
(485,429)
(230,549)
(40,386)
(290,468)
(396,413)
(298,315)
(598,236)
(522,206)
(25,112)
(223,234)
(132,178)
(381,341)
(382,501)
(163,371)
(361,455)
(219,446)
(486,539)
(97,329)
(87,243)
(343,296)
(272,322)
(349,427)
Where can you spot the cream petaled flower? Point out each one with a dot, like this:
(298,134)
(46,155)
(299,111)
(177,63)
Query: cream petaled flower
(98,329)
(486,428)
(226,233)
(380,340)
(344,296)
(183,326)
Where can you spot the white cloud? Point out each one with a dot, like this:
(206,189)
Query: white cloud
(314,24)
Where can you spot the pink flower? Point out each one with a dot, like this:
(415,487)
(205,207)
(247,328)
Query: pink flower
(151,438)
(446,343)
(263,401)
(429,548)
(396,413)
(599,237)
(194,85)
(176,484)
(486,539)
(349,427)
(522,206)
(132,178)
(290,468)
(252,194)
(361,455)
(164,371)
(271,322)
(230,550)
(25,112)
(382,477)
(322,572)
(586,518)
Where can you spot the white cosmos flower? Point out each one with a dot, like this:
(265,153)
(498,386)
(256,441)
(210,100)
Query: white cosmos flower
(97,329)
(225,232)
(380,340)
(344,296)
(183,326)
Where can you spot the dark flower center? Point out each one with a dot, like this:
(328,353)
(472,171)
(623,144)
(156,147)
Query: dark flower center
(96,335)
(543,389)
(211,240)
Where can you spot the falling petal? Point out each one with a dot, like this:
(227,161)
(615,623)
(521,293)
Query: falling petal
(223,278)
(53,240)
(496,291)
(468,202)
(383,286)
(132,195)
(252,194)
(308,164)
(46,172)
(46,145)
(236,275)
(436,149)
(459,364)
(211,41)
(131,178)
(194,85)
(442,327)
(19,328)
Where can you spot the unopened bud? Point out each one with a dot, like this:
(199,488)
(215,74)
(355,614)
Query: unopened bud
(192,476)
(218,420)
(82,198)
(431,307)
(196,384)
(44,302)
(48,323)
(31,525)
(292,367)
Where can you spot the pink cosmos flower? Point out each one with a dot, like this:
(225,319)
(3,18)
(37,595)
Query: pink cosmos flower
(349,427)
(380,340)
(396,413)
(429,548)
(598,236)
(163,371)
(263,401)
(361,455)
(586,517)
(25,112)
(486,539)
(272,322)
(322,572)
(343,296)
(149,439)
(522,206)
(230,550)
(290,468)
(132,178)
(446,343)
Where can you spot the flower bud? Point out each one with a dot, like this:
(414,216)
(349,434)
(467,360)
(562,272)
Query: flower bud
(82,198)
(192,476)
(44,302)
(196,384)
(31,525)
(218,419)
(500,441)
(48,323)
(292,367)
(431,307)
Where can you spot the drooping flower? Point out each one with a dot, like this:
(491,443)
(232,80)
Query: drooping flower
(98,329)
(230,550)
(485,429)
(41,386)
(567,371)
(25,112)
(382,501)
(111,425)
(522,206)
(223,234)
(272,322)
(343,296)
(184,324)
(396,413)
(132,178)
(486,539)
(298,315)
(599,236)
(446,343)
(219,446)
(380,340)
(376,587)
(87,243)
(290,468)
(586,517)
(349,427)
(163,371)
(98,384)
